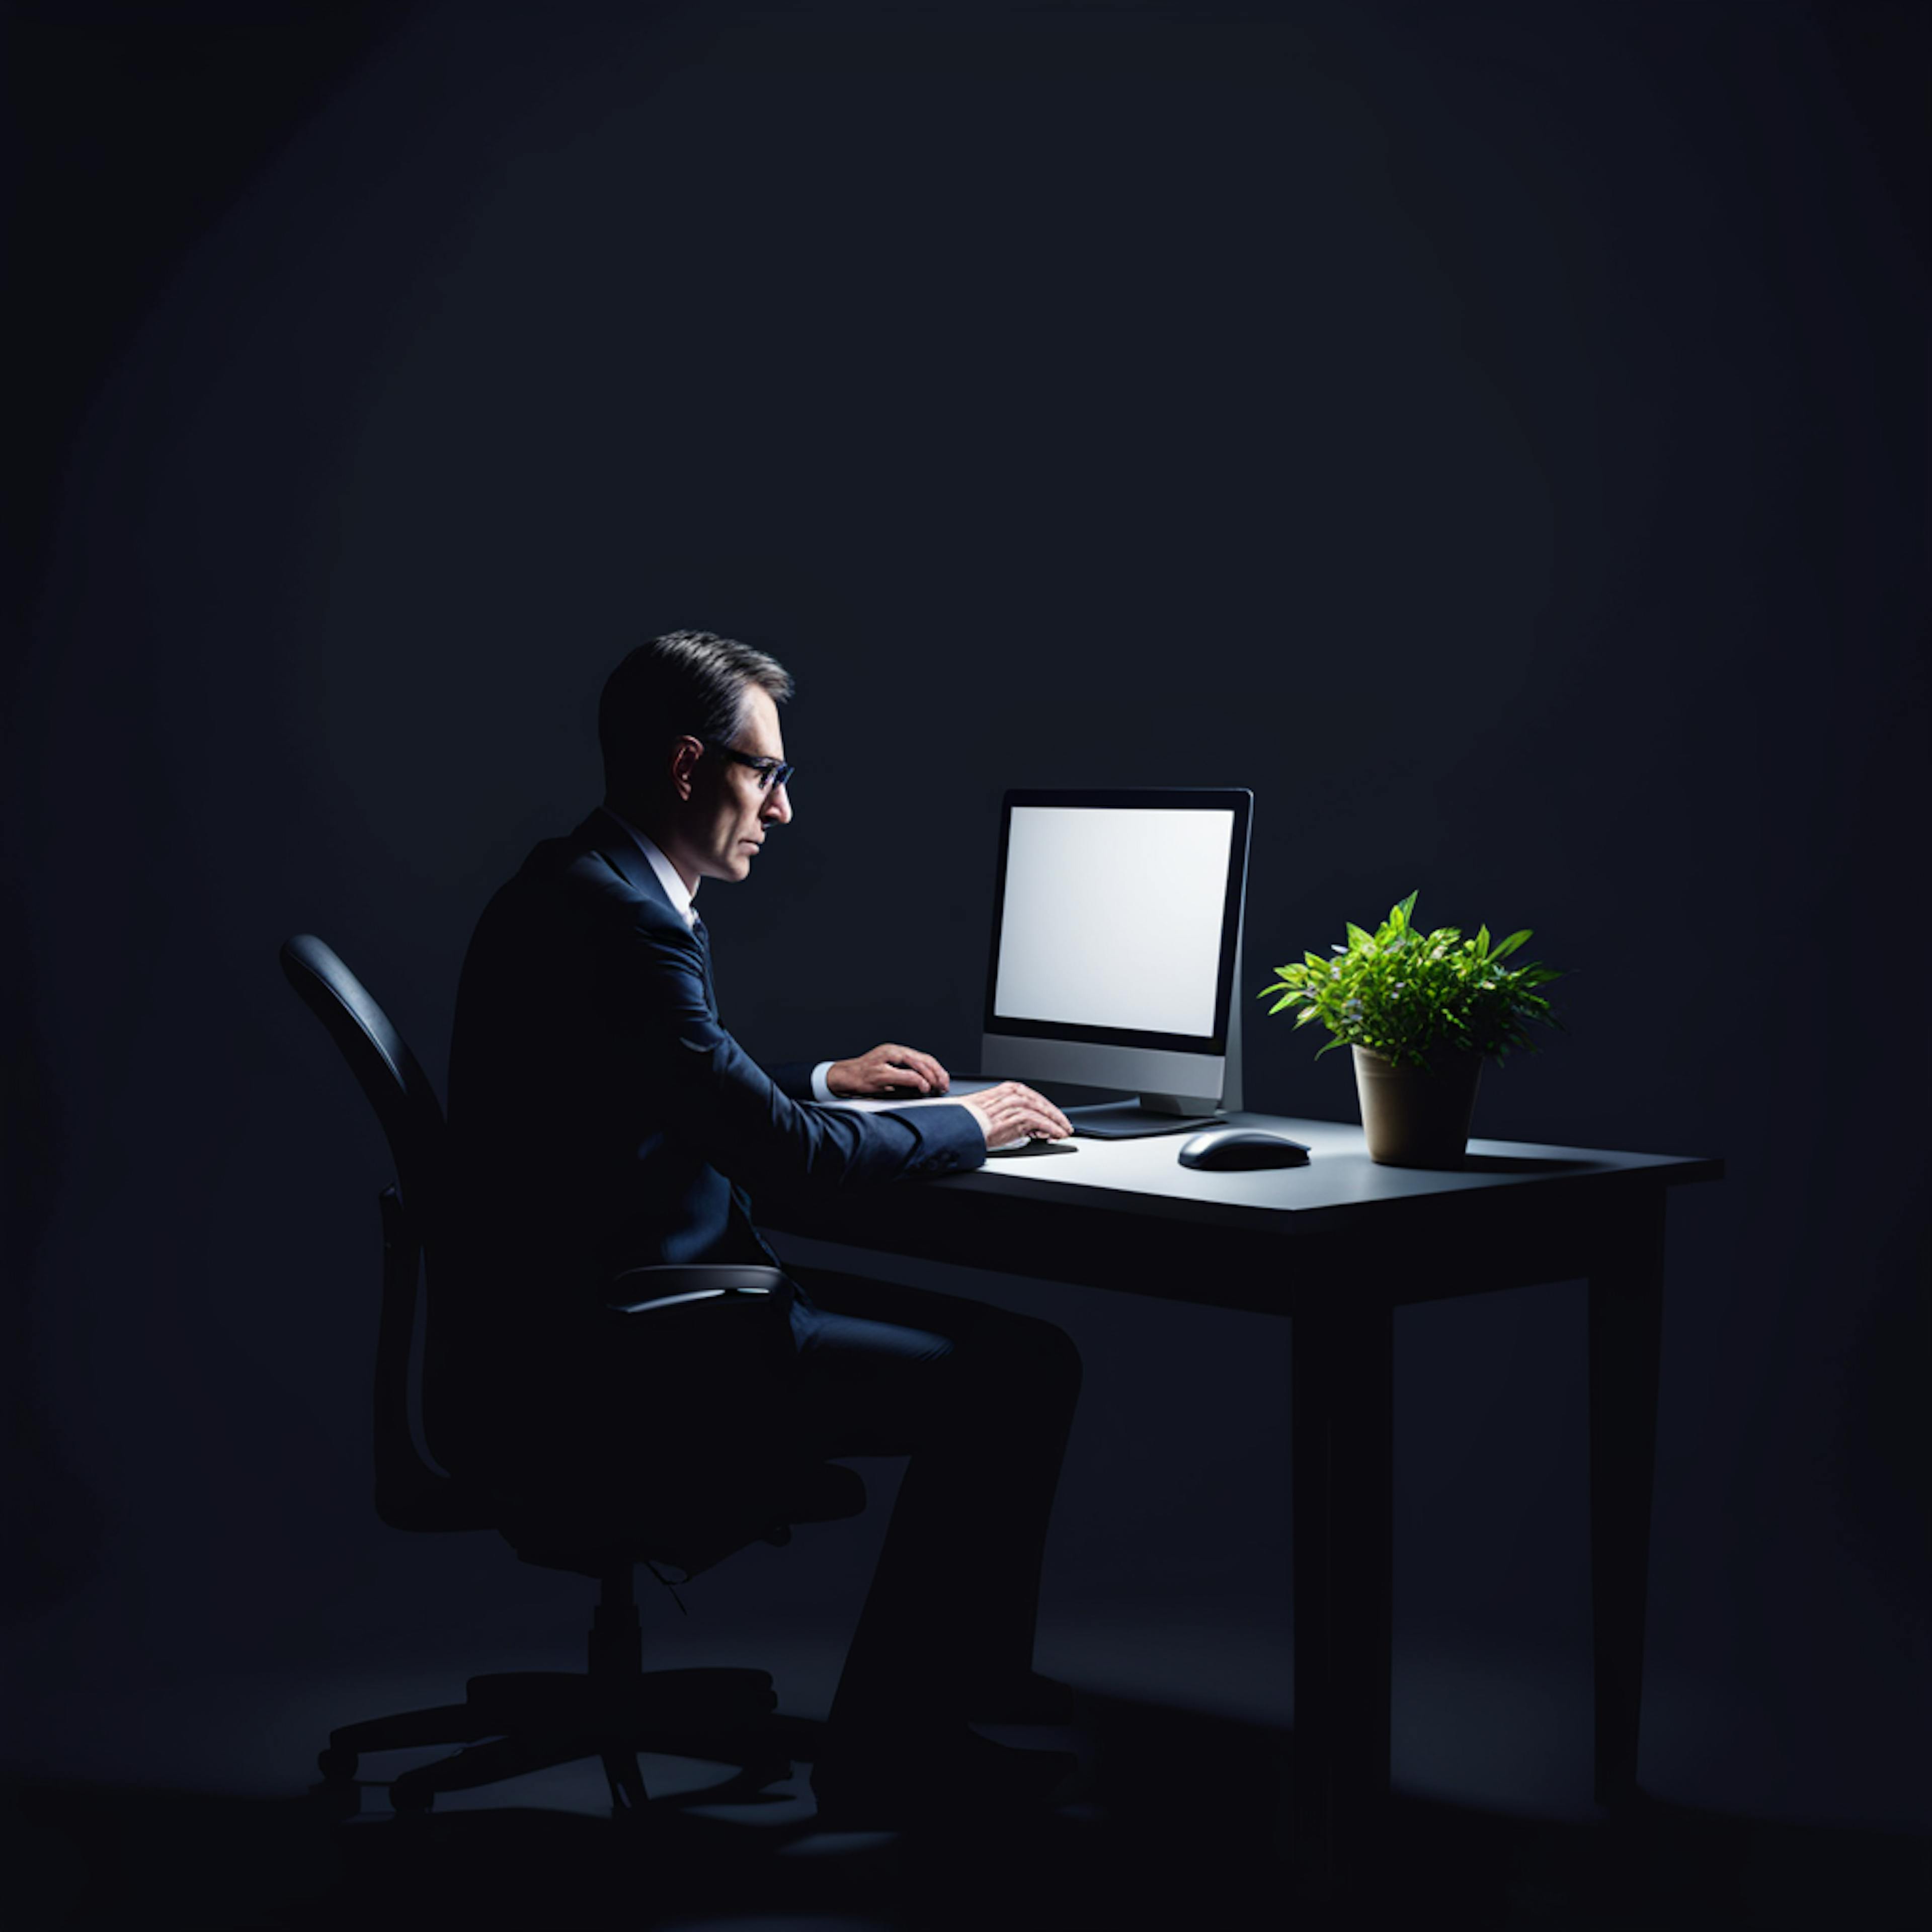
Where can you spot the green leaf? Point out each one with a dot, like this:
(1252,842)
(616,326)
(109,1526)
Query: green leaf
(1388,991)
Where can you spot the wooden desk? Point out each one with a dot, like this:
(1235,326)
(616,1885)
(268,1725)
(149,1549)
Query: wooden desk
(1336,1247)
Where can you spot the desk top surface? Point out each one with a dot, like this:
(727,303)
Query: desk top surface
(1127,1215)
(1339,1177)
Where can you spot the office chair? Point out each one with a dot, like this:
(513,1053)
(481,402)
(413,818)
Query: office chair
(513,1722)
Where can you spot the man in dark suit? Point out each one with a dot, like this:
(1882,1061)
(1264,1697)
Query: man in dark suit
(602,1119)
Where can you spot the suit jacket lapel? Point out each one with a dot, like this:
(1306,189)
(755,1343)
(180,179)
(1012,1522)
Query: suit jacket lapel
(603,835)
(614,845)
(703,938)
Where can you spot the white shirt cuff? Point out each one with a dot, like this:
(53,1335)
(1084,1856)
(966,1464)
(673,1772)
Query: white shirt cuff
(821,1087)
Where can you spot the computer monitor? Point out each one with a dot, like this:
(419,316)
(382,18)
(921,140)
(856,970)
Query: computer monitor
(1117,951)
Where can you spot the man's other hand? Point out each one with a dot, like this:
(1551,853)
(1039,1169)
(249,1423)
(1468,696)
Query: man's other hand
(1012,1112)
(887,1070)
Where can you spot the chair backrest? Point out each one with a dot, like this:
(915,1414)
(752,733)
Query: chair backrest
(410,1493)
(385,1068)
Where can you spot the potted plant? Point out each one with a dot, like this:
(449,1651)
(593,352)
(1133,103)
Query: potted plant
(1421,1012)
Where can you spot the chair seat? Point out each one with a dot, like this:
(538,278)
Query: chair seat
(826,1492)
(589,1538)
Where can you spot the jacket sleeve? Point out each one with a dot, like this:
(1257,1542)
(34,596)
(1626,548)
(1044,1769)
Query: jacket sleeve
(649,988)
(792,1077)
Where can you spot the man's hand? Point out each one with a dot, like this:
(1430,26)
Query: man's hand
(887,1070)
(1012,1112)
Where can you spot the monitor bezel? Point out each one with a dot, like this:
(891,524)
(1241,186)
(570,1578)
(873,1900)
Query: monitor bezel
(1240,802)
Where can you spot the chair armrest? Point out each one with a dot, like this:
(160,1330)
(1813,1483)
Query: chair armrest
(639,1291)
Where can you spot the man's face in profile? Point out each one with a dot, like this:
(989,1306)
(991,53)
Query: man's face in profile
(730,809)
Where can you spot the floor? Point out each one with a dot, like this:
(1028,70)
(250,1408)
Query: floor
(195,1813)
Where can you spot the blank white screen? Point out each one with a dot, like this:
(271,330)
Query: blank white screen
(1112,917)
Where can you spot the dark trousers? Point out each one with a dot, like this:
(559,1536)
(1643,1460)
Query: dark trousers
(981,1401)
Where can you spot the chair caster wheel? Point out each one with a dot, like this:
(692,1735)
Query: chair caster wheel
(336,1765)
(410,1801)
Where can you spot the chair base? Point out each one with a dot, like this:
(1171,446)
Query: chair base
(512,1723)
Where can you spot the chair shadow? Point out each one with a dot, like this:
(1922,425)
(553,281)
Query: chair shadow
(1180,1823)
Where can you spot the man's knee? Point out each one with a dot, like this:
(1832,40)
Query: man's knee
(1028,1358)
(1062,1360)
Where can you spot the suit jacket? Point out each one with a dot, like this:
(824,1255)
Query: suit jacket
(601,1116)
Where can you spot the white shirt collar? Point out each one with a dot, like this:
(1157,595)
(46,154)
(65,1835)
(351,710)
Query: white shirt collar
(675,888)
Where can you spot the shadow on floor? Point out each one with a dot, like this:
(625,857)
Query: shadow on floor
(1178,1827)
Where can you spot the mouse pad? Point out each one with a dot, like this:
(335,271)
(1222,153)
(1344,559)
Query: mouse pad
(1030,1150)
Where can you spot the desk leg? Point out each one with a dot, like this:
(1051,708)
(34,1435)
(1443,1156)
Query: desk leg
(1343,1447)
(1626,1321)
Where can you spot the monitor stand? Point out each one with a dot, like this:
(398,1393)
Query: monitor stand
(1131,1119)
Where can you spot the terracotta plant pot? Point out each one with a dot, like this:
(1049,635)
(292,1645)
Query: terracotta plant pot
(1413,1117)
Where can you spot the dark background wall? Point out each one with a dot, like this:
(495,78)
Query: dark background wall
(1496,434)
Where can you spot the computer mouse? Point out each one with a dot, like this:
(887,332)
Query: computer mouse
(1229,1149)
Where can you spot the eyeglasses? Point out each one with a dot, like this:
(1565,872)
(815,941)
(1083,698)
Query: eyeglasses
(771,772)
